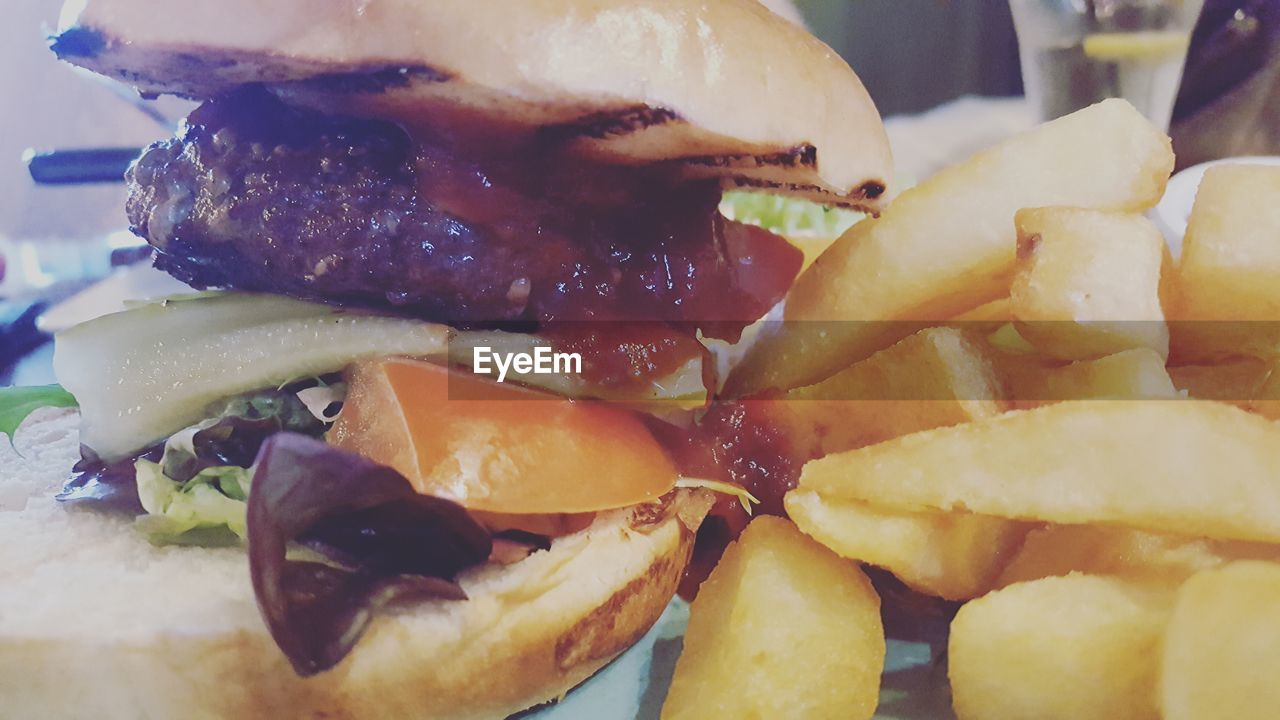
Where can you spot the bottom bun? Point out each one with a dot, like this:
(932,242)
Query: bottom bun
(97,623)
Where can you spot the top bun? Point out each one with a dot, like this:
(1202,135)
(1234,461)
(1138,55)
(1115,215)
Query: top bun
(724,87)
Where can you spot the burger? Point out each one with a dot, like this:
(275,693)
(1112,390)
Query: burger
(313,489)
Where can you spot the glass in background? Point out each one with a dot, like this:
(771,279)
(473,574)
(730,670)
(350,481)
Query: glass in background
(1229,104)
(1077,52)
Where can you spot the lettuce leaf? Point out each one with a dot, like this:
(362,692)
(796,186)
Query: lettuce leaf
(196,493)
(207,509)
(384,544)
(788,216)
(16,403)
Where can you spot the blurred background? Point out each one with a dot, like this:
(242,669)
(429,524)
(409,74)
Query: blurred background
(917,57)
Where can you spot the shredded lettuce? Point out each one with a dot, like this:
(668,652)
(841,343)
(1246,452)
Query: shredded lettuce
(324,401)
(207,509)
(788,216)
(745,498)
(196,493)
(16,403)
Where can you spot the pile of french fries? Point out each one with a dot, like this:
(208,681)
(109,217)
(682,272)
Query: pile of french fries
(1012,396)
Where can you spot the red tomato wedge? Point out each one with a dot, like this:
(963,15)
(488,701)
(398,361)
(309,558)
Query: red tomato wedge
(498,448)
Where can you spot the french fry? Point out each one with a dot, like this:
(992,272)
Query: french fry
(1130,375)
(934,378)
(956,556)
(1228,282)
(937,377)
(1059,550)
(782,628)
(986,318)
(947,245)
(1222,647)
(1267,403)
(1060,648)
(1087,283)
(1199,468)
(1249,383)
(1234,381)
(996,311)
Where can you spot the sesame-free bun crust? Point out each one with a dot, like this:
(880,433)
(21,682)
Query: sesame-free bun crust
(725,88)
(97,623)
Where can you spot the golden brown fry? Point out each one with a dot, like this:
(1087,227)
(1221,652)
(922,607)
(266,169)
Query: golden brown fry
(1222,646)
(1249,383)
(1230,268)
(985,319)
(955,556)
(996,311)
(1102,550)
(1087,283)
(1233,381)
(783,628)
(937,377)
(1062,648)
(1194,467)
(1132,374)
(947,245)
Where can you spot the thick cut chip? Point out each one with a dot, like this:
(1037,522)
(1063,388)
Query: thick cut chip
(783,628)
(1250,383)
(1222,646)
(1228,282)
(1236,381)
(947,245)
(1230,268)
(1064,648)
(1129,375)
(1199,468)
(996,311)
(934,378)
(1102,550)
(1267,403)
(1087,283)
(985,319)
(956,556)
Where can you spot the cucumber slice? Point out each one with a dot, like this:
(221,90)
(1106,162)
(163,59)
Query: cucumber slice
(143,374)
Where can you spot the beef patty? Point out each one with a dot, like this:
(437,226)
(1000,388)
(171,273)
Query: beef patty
(258,195)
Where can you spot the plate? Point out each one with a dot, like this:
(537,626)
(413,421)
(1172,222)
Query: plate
(632,687)
(1174,209)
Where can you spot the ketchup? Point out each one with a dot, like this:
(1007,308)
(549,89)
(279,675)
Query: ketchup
(734,442)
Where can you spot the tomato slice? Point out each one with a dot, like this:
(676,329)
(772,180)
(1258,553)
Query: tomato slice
(498,448)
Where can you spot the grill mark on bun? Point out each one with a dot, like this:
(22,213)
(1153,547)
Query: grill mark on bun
(612,123)
(868,190)
(208,69)
(872,190)
(804,156)
(372,79)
